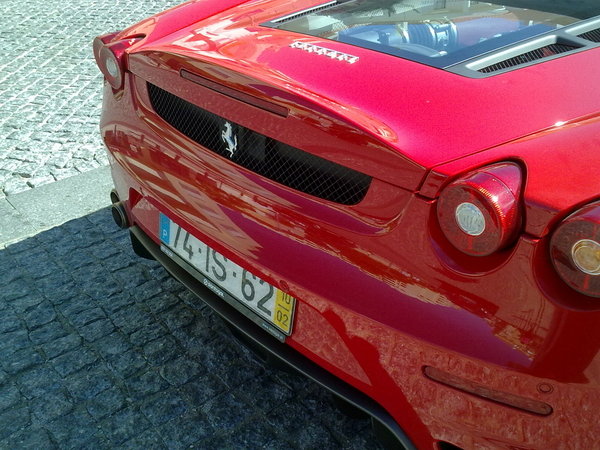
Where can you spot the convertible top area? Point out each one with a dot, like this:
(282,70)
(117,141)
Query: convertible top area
(439,33)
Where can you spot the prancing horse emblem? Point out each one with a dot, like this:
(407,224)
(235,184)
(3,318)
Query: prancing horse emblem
(229,138)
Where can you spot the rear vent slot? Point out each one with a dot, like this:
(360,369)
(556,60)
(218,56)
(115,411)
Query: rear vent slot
(527,57)
(563,41)
(593,35)
(306,12)
(267,157)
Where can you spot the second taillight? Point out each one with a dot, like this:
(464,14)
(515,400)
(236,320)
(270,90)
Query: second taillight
(575,249)
(480,213)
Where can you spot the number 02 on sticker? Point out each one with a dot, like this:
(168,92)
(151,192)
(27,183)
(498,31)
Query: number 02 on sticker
(227,279)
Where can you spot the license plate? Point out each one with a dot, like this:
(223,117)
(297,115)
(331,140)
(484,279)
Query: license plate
(268,306)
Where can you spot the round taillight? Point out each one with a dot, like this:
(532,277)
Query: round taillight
(480,212)
(111,57)
(111,66)
(575,250)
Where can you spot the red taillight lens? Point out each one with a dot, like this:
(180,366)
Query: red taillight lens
(575,249)
(480,212)
(110,57)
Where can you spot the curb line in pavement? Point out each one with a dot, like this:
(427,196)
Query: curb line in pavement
(30,212)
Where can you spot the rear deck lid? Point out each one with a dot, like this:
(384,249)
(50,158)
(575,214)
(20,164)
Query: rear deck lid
(422,114)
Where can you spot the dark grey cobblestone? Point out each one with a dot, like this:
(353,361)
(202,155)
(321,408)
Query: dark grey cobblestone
(162,351)
(73,430)
(74,361)
(125,424)
(52,406)
(147,333)
(148,440)
(29,300)
(187,429)
(106,403)
(30,439)
(87,384)
(49,332)
(163,407)
(9,321)
(61,345)
(41,314)
(50,88)
(21,360)
(37,382)
(9,396)
(181,370)
(140,364)
(210,387)
(130,319)
(96,330)
(127,363)
(266,395)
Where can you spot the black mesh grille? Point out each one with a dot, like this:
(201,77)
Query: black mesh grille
(540,53)
(270,158)
(593,35)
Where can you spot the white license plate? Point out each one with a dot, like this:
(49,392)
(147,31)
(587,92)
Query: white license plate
(244,290)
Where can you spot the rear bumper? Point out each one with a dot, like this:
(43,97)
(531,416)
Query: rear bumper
(274,352)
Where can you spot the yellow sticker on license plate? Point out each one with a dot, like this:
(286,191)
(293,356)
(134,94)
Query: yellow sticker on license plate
(229,281)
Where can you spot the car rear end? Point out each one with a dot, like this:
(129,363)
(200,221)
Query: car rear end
(310,220)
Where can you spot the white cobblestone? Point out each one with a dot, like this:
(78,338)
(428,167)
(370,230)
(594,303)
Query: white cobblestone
(60,174)
(41,180)
(14,185)
(84,166)
(50,87)
(59,159)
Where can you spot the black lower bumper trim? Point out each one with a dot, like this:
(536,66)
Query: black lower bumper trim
(258,340)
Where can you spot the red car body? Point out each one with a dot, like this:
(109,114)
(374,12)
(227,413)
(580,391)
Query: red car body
(446,349)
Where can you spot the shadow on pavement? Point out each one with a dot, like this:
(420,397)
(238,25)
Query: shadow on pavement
(102,349)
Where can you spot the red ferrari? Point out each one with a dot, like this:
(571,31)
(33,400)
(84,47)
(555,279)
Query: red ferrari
(399,199)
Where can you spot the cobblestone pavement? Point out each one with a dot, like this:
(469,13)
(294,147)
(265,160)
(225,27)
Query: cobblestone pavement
(100,349)
(50,87)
